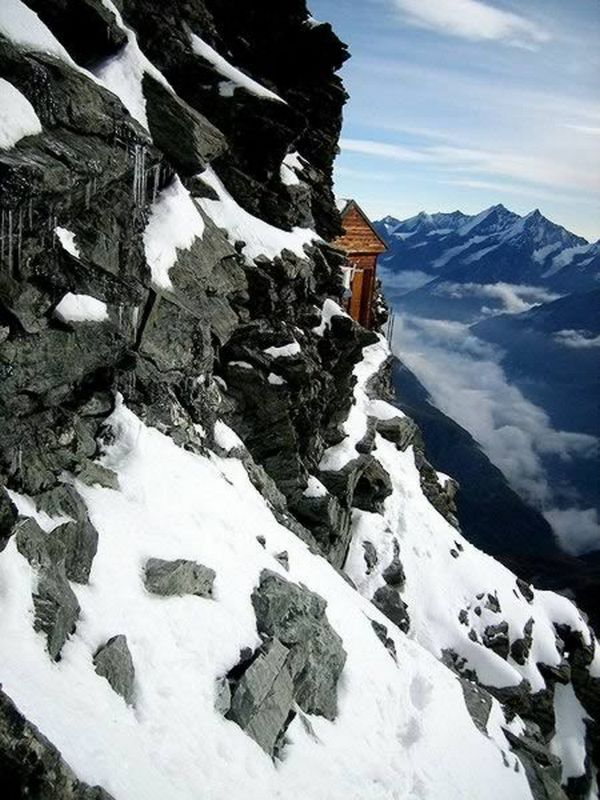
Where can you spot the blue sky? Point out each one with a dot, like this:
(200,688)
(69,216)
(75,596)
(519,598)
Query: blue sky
(468,103)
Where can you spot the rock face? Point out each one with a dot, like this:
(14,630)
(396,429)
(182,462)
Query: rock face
(299,663)
(32,767)
(113,661)
(178,577)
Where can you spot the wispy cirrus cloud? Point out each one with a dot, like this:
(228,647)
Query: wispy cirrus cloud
(508,164)
(473,20)
(517,189)
(395,152)
(589,130)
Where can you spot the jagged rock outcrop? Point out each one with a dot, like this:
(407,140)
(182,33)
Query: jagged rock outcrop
(298,664)
(32,767)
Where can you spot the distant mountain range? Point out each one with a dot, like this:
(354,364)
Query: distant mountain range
(449,253)
(531,289)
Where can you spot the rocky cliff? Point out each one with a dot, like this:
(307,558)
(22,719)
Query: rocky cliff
(227,569)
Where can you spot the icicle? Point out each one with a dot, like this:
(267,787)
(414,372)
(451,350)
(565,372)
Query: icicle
(88,194)
(19,460)
(3,235)
(120,317)
(144,179)
(135,317)
(19,239)
(10,233)
(155,181)
(31,213)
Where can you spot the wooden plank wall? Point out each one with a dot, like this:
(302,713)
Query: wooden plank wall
(358,236)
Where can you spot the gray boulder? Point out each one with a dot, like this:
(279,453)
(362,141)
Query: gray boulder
(298,664)
(56,608)
(113,661)
(178,578)
(296,616)
(389,602)
(80,544)
(264,697)
(393,574)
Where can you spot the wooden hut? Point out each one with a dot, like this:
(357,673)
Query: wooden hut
(363,246)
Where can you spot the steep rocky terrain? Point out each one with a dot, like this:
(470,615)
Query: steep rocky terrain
(226,568)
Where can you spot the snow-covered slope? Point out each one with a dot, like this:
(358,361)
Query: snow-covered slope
(402,726)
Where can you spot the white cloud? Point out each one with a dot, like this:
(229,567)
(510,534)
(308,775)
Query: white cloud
(405,280)
(517,190)
(577,339)
(364,174)
(578,529)
(514,298)
(395,152)
(587,129)
(465,380)
(519,166)
(473,20)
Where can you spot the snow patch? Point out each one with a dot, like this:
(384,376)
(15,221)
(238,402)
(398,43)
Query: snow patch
(17,116)
(290,167)
(330,309)
(175,223)
(23,26)
(355,426)
(81,308)
(284,350)
(235,78)
(569,741)
(259,238)
(226,437)
(314,488)
(67,240)
(123,73)
(398,730)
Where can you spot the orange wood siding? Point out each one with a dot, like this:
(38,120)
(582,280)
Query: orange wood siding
(362,245)
(358,236)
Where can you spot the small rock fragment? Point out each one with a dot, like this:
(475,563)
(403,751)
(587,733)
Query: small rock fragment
(370,555)
(283,559)
(389,602)
(113,661)
(178,577)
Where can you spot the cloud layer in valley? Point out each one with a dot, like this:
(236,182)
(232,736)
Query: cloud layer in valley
(514,298)
(465,380)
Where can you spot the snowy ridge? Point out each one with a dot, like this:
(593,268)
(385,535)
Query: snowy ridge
(179,650)
(260,238)
(174,224)
(17,116)
(235,78)
(123,73)
(81,308)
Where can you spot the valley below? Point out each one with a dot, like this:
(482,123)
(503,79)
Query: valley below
(497,334)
